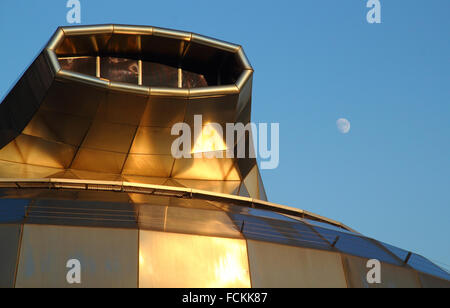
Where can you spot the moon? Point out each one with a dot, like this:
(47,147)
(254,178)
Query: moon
(343,125)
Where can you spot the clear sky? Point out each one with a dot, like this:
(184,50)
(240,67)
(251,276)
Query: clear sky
(316,61)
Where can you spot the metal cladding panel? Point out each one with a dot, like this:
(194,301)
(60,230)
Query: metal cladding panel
(190,261)
(429,281)
(214,109)
(278,266)
(391,276)
(108,257)
(74,98)
(152,141)
(163,111)
(36,151)
(9,243)
(214,169)
(225,187)
(122,108)
(26,96)
(22,171)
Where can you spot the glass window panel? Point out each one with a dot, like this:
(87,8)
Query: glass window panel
(261,213)
(83,65)
(171,260)
(400,253)
(13,210)
(325,225)
(119,69)
(424,265)
(108,257)
(187,220)
(193,80)
(159,75)
(283,232)
(79,213)
(251,211)
(357,245)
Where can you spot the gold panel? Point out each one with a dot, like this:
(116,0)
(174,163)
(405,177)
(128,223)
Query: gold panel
(112,110)
(97,176)
(251,182)
(391,276)
(11,153)
(143,179)
(153,140)
(173,183)
(36,151)
(108,257)
(23,171)
(224,187)
(164,111)
(243,191)
(168,260)
(148,165)
(217,169)
(100,161)
(110,137)
(214,109)
(58,127)
(280,266)
(74,99)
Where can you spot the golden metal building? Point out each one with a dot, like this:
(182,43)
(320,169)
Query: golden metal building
(86,173)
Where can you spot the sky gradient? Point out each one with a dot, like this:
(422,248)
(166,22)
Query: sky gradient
(315,62)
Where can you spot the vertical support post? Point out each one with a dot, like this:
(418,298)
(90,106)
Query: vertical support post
(180,78)
(140,72)
(97,67)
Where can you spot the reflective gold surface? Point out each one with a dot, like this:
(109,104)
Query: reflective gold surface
(108,257)
(169,260)
(278,266)
(97,128)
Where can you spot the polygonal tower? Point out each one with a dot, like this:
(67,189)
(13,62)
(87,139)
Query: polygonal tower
(87,174)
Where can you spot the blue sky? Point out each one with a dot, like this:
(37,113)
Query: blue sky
(316,61)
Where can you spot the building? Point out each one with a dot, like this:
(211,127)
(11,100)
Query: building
(87,174)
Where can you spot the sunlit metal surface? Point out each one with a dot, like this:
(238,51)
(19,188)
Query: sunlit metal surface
(68,109)
(277,266)
(175,260)
(109,256)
